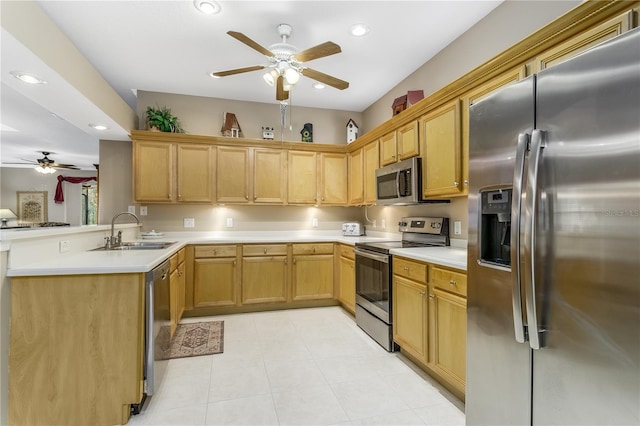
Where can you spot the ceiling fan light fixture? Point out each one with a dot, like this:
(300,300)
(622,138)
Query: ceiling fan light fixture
(27,78)
(208,7)
(45,170)
(292,76)
(270,77)
(359,30)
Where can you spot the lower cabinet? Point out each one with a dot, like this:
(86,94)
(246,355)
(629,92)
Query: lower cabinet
(347,278)
(215,276)
(430,319)
(312,276)
(264,273)
(176,289)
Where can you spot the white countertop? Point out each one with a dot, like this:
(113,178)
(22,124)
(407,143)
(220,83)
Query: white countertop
(140,261)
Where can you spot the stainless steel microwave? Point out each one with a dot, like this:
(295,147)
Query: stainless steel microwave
(400,183)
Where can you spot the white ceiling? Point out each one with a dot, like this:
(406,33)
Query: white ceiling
(169,46)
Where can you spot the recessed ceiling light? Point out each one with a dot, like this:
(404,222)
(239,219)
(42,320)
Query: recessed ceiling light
(208,7)
(318,86)
(27,78)
(98,126)
(359,30)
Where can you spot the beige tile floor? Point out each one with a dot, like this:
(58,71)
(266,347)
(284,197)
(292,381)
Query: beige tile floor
(298,367)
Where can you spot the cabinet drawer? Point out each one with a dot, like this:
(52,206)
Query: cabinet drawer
(322,248)
(264,250)
(409,269)
(444,279)
(181,254)
(215,251)
(347,251)
(173,262)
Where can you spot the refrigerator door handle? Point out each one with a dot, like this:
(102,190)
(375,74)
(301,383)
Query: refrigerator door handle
(537,145)
(516,274)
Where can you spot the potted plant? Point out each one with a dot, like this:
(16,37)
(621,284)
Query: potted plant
(161,119)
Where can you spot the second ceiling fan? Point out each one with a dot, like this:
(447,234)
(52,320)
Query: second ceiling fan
(286,64)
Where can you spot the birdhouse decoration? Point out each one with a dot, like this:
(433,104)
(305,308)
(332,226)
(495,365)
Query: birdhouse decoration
(352,131)
(405,101)
(307,132)
(230,126)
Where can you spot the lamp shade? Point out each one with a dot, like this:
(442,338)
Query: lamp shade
(7,214)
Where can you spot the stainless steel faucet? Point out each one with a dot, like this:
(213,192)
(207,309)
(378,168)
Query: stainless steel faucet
(112,240)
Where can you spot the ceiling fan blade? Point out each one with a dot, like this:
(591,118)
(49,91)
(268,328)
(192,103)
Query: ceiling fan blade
(63,166)
(320,51)
(281,94)
(252,44)
(325,78)
(238,71)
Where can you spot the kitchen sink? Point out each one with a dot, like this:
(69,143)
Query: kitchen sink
(143,245)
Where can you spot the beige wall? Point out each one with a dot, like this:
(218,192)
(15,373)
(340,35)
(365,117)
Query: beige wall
(203,116)
(115,189)
(27,179)
(506,25)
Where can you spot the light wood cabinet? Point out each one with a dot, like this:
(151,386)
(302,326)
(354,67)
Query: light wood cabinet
(153,172)
(586,40)
(215,281)
(312,275)
(442,151)
(356,176)
(449,331)
(264,273)
(195,173)
(176,289)
(410,315)
(232,175)
(371,162)
(347,278)
(302,177)
(399,145)
(269,172)
(333,185)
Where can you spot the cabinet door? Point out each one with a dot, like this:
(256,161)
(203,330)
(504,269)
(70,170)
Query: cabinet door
(347,283)
(333,179)
(408,141)
(450,336)
(269,176)
(181,291)
(264,279)
(215,282)
(442,159)
(410,316)
(356,185)
(371,160)
(173,301)
(388,149)
(195,173)
(303,177)
(584,41)
(313,277)
(153,171)
(232,175)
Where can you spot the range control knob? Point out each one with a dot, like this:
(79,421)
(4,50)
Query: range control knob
(402,223)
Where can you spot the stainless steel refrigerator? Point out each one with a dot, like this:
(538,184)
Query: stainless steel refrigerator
(553,331)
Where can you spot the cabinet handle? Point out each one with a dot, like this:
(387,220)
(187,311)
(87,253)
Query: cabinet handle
(422,292)
(314,250)
(322,199)
(466,182)
(255,197)
(456,184)
(294,261)
(431,296)
(406,268)
(215,252)
(265,251)
(452,283)
(234,263)
(246,197)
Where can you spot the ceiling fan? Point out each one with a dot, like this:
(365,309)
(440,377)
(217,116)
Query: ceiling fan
(46,165)
(286,64)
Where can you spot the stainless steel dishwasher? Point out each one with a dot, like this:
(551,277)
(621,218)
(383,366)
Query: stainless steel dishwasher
(157,316)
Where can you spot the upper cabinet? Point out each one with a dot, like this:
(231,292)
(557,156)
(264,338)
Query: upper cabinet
(155,166)
(303,177)
(442,151)
(232,177)
(400,144)
(333,179)
(356,176)
(269,176)
(584,41)
(371,162)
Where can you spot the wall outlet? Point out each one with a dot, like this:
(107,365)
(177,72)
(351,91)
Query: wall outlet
(383,224)
(457,227)
(314,222)
(143,210)
(64,246)
(373,223)
(189,222)
(229,222)
(132,209)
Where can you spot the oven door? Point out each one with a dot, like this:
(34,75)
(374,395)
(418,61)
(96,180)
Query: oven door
(373,276)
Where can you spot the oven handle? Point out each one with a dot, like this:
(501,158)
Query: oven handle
(379,257)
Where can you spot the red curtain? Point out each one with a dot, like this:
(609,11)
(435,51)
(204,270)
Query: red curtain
(59,198)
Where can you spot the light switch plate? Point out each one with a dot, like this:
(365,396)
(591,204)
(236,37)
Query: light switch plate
(64,246)
(132,209)
(383,224)
(314,222)
(143,210)
(457,227)
(229,222)
(189,222)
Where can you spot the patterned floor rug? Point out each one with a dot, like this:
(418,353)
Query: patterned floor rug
(200,338)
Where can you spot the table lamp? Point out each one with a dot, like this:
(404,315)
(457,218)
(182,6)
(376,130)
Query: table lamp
(5,215)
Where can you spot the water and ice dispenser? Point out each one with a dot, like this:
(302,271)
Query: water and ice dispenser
(495,227)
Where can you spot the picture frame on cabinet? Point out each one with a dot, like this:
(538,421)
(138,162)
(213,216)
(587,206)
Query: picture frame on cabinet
(32,206)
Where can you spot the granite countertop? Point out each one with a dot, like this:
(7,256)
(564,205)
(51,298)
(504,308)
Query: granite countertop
(140,261)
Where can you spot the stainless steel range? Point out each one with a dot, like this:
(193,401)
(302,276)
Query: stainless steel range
(374,271)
